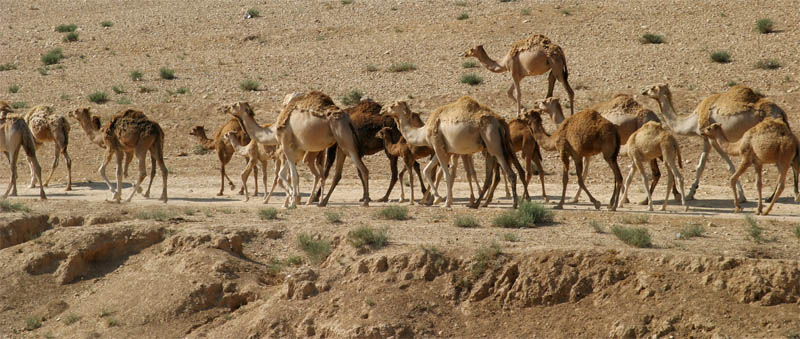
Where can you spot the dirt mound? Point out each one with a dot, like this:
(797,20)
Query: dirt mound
(18,228)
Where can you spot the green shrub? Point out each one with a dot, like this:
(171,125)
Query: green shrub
(372,68)
(649,38)
(731,83)
(7,67)
(9,206)
(721,57)
(118,89)
(471,79)
(112,322)
(566,12)
(136,75)
(691,231)
(71,37)
(71,319)
(463,16)
(253,13)
(351,98)
(465,221)
(294,260)
(634,236)
(755,231)
(269,213)
(182,90)
(365,236)
(797,231)
(124,101)
(316,250)
(66,28)
(638,219)
(469,64)
(42,70)
(145,89)
(485,256)
(249,85)
(765,26)
(597,227)
(393,213)
(333,217)
(52,57)
(527,215)
(157,215)
(19,104)
(768,64)
(98,97)
(346,2)
(510,237)
(13,88)
(33,322)
(402,67)
(106,24)
(166,73)
(525,11)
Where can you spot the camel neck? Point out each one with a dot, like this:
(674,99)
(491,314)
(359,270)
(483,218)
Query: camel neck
(686,126)
(91,132)
(545,140)
(415,136)
(488,62)
(264,135)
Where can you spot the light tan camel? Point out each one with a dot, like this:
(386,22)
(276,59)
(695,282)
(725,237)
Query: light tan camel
(129,131)
(254,155)
(47,126)
(529,57)
(462,127)
(737,110)
(91,126)
(14,133)
(650,142)
(223,148)
(769,142)
(583,134)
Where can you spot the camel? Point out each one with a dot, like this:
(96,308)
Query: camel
(401,148)
(650,142)
(223,148)
(91,126)
(532,56)
(253,154)
(737,110)
(14,133)
(463,127)
(583,134)
(769,142)
(130,132)
(46,126)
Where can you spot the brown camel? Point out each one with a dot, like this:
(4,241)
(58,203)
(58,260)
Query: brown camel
(529,57)
(47,126)
(583,134)
(650,142)
(129,131)
(254,155)
(91,126)
(521,140)
(769,142)
(14,133)
(410,154)
(223,148)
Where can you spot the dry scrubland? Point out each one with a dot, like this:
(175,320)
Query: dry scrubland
(206,266)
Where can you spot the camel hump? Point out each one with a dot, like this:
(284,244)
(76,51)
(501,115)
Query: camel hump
(531,42)
(365,107)
(316,103)
(737,100)
(43,111)
(774,126)
(131,114)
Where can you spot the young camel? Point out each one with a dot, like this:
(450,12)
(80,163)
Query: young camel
(253,154)
(647,143)
(46,126)
(583,134)
(14,133)
(410,154)
(737,111)
(224,148)
(769,142)
(529,57)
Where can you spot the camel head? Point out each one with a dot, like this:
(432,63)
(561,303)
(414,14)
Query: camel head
(81,114)
(531,116)
(384,133)
(713,131)
(657,91)
(552,106)
(238,109)
(398,109)
(474,52)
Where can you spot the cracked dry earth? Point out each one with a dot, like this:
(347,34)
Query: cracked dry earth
(204,266)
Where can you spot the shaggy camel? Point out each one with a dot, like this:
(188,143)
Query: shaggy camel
(529,57)
(254,155)
(770,141)
(93,124)
(583,134)
(224,148)
(14,133)
(463,127)
(129,131)
(737,110)
(647,143)
(46,126)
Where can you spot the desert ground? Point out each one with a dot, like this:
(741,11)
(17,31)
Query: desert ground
(207,266)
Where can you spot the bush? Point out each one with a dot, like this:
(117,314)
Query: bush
(33,322)
(721,57)
(797,231)
(136,75)
(469,64)
(465,221)
(249,85)
(393,213)
(124,101)
(19,104)
(333,217)
(365,236)
(649,38)
(346,2)
(98,97)
(597,227)
(463,16)
(691,231)
(166,73)
(106,24)
(372,68)
(731,83)
(351,98)
(71,319)
(182,90)
(71,37)
(525,11)
(765,26)
(269,213)
(635,219)
(471,79)
(510,237)
(402,67)
(527,215)
(755,231)
(7,67)
(66,28)
(253,13)
(52,57)
(566,12)
(316,250)
(294,260)
(13,88)
(484,257)
(768,64)
(9,206)
(157,215)
(634,236)
(118,89)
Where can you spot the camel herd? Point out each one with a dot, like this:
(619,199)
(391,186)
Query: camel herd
(311,128)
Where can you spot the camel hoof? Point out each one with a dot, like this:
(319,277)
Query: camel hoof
(219,194)
(689,197)
(558,207)
(574,201)
(737,210)
(651,209)
(42,197)
(69,188)
(663,208)
(597,206)
(322,203)
(365,204)
(384,199)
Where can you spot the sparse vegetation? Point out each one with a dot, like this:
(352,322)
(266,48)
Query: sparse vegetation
(333,217)
(10,206)
(469,64)
(484,257)
(268,213)
(365,236)
(71,37)
(136,75)
(106,24)
(118,89)
(7,67)
(157,215)
(166,73)
(525,11)
(13,88)
(52,57)
(182,90)
(112,322)
(768,64)
(797,231)
(731,83)
(124,101)
(765,25)
(755,231)
(316,250)
(691,231)
(635,219)
(433,253)
(460,3)
(634,236)
(649,38)
(352,97)
(372,68)
(98,97)
(146,89)
(393,212)
(510,237)
(527,215)
(33,322)
(19,104)
(42,70)
(597,227)
(249,85)
(463,16)
(253,13)
(721,57)
(294,260)
(466,221)
(71,319)
(346,2)
(402,67)
(566,12)
(66,28)
(199,150)
(471,79)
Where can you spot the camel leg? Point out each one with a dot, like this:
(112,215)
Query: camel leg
(392,178)
(120,169)
(245,174)
(12,161)
(52,168)
(419,176)
(102,169)
(759,185)
(522,177)
(402,186)
(311,161)
(746,162)
(345,138)
(444,163)
(153,163)
(579,171)
(409,160)
(611,159)
(433,189)
(255,179)
(637,164)
(731,167)
(782,169)
(337,175)
(510,93)
(68,160)
(587,161)
(528,172)
(291,157)
(493,139)
(679,178)
(140,156)
(626,187)
(274,181)
(495,171)
(505,183)
(701,165)
(656,177)
(264,174)
(469,169)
